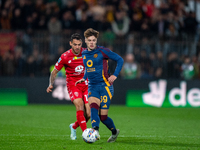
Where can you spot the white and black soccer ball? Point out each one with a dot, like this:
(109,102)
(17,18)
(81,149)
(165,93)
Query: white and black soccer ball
(89,135)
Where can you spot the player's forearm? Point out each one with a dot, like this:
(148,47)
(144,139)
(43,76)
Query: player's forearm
(120,62)
(52,77)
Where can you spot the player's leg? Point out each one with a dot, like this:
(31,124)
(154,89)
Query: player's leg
(79,104)
(80,118)
(94,108)
(76,97)
(109,124)
(72,126)
(107,93)
(87,112)
(94,102)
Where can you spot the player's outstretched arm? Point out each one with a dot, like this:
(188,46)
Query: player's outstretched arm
(51,80)
(79,81)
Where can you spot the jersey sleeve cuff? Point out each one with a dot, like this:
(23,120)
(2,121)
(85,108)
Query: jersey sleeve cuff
(56,69)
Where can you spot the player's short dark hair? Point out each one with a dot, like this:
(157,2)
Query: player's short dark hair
(76,36)
(91,32)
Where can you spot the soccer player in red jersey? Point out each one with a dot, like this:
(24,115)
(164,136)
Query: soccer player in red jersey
(73,62)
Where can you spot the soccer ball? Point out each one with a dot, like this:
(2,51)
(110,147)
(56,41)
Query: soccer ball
(89,135)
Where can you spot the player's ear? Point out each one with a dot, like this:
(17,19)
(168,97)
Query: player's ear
(70,43)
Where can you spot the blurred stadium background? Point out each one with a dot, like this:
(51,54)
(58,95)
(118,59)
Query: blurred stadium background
(160,43)
(158,39)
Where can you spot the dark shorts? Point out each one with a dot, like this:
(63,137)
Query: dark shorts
(104,93)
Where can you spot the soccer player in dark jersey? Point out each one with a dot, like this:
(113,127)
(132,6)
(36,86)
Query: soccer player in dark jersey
(73,62)
(100,88)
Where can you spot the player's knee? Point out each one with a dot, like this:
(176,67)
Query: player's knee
(79,107)
(94,105)
(88,115)
(103,117)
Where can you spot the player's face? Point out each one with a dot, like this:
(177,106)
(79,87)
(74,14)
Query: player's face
(76,46)
(91,42)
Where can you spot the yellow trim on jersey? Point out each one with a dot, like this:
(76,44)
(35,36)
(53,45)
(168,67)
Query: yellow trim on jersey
(105,80)
(109,93)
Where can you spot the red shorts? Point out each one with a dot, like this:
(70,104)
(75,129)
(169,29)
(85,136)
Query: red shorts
(78,92)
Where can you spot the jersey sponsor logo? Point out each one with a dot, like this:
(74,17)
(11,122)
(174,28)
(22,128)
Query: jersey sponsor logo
(84,57)
(90,69)
(75,57)
(105,106)
(79,68)
(95,55)
(59,60)
(93,121)
(89,63)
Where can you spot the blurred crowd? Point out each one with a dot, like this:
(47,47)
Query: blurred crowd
(156,38)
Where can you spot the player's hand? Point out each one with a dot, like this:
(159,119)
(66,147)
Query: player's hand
(112,78)
(49,89)
(79,81)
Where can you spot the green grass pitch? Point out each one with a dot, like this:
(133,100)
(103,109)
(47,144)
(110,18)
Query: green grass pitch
(46,127)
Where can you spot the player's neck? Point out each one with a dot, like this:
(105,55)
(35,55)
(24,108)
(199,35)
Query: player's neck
(91,49)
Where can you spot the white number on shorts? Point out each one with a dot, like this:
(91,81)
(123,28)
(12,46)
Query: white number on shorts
(86,98)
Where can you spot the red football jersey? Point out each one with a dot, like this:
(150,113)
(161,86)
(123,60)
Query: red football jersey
(74,67)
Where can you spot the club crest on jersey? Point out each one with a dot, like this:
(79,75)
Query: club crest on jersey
(59,60)
(95,55)
(75,57)
(76,94)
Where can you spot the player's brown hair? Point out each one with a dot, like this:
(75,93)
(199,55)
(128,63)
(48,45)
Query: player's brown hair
(91,32)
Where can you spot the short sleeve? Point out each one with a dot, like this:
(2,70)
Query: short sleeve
(59,64)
